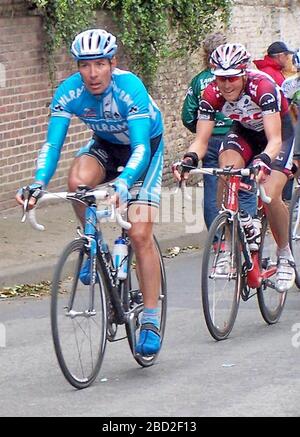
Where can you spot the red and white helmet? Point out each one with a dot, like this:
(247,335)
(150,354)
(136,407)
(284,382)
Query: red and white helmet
(229,60)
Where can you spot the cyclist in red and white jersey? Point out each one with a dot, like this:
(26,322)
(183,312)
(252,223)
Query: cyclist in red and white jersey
(262,132)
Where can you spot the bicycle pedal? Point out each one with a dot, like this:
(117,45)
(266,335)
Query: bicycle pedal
(270,284)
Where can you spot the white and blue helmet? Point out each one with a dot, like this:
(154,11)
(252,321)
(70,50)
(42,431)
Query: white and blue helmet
(94,44)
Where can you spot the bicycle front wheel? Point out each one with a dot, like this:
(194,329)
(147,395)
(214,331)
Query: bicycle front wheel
(133,303)
(294,231)
(221,276)
(270,301)
(78,318)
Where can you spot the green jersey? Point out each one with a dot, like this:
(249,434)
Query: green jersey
(189,114)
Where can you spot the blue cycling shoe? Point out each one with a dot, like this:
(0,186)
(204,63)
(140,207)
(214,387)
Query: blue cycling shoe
(149,340)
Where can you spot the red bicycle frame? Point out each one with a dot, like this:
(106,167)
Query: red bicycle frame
(255,275)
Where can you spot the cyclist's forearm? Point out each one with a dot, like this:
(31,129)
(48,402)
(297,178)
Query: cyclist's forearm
(273,148)
(272,127)
(136,165)
(198,147)
(47,163)
(203,134)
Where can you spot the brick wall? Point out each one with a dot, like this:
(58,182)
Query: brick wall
(9,8)
(25,90)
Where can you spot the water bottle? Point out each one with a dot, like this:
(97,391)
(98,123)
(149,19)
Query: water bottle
(120,252)
(252,230)
(257,228)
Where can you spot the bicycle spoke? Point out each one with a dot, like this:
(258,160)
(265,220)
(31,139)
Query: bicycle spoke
(221,281)
(79,334)
(270,301)
(294,234)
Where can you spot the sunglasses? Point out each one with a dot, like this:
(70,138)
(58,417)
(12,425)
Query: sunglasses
(229,78)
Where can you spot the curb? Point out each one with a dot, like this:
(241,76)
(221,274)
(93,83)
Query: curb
(43,271)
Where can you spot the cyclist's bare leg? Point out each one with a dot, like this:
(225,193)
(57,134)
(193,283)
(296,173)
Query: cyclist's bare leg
(85,170)
(277,211)
(228,157)
(278,217)
(141,237)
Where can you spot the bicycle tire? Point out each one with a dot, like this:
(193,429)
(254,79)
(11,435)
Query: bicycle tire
(133,300)
(220,304)
(270,301)
(69,295)
(294,231)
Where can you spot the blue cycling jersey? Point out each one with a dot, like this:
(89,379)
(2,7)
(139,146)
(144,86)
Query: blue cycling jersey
(124,114)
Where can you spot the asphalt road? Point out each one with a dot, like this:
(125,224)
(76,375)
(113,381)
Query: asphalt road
(253,373)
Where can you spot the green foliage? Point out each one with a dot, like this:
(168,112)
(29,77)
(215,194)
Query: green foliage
(144,25)
(144,29)
(64,18)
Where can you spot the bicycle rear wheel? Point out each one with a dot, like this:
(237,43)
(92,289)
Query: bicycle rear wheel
(78,318)
(133,302)
(270,301)
(294,231)
(221,291)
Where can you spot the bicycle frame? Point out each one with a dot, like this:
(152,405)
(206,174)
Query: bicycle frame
(229,268)
(93,234)
(255,275)
(97,298)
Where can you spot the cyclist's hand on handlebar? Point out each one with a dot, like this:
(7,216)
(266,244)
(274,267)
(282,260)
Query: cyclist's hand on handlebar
(262,163)
(122,194)
(181,169)
(28,196)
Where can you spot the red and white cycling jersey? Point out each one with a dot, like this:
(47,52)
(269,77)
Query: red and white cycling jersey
(260,97)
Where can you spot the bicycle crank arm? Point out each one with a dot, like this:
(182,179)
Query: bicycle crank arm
(268,283)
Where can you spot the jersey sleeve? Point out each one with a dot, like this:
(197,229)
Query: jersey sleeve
(189,113)
(139,132)
(268,97)
(210,103)
(50,152)
(60,104)
(61,114)
(137,103)
(134,97)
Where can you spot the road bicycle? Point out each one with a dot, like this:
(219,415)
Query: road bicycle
(85,317)
(294,229)
(247,270)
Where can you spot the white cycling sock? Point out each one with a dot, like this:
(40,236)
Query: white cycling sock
(285,252)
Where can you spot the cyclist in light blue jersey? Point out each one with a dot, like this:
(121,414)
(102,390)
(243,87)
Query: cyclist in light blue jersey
(127,132)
